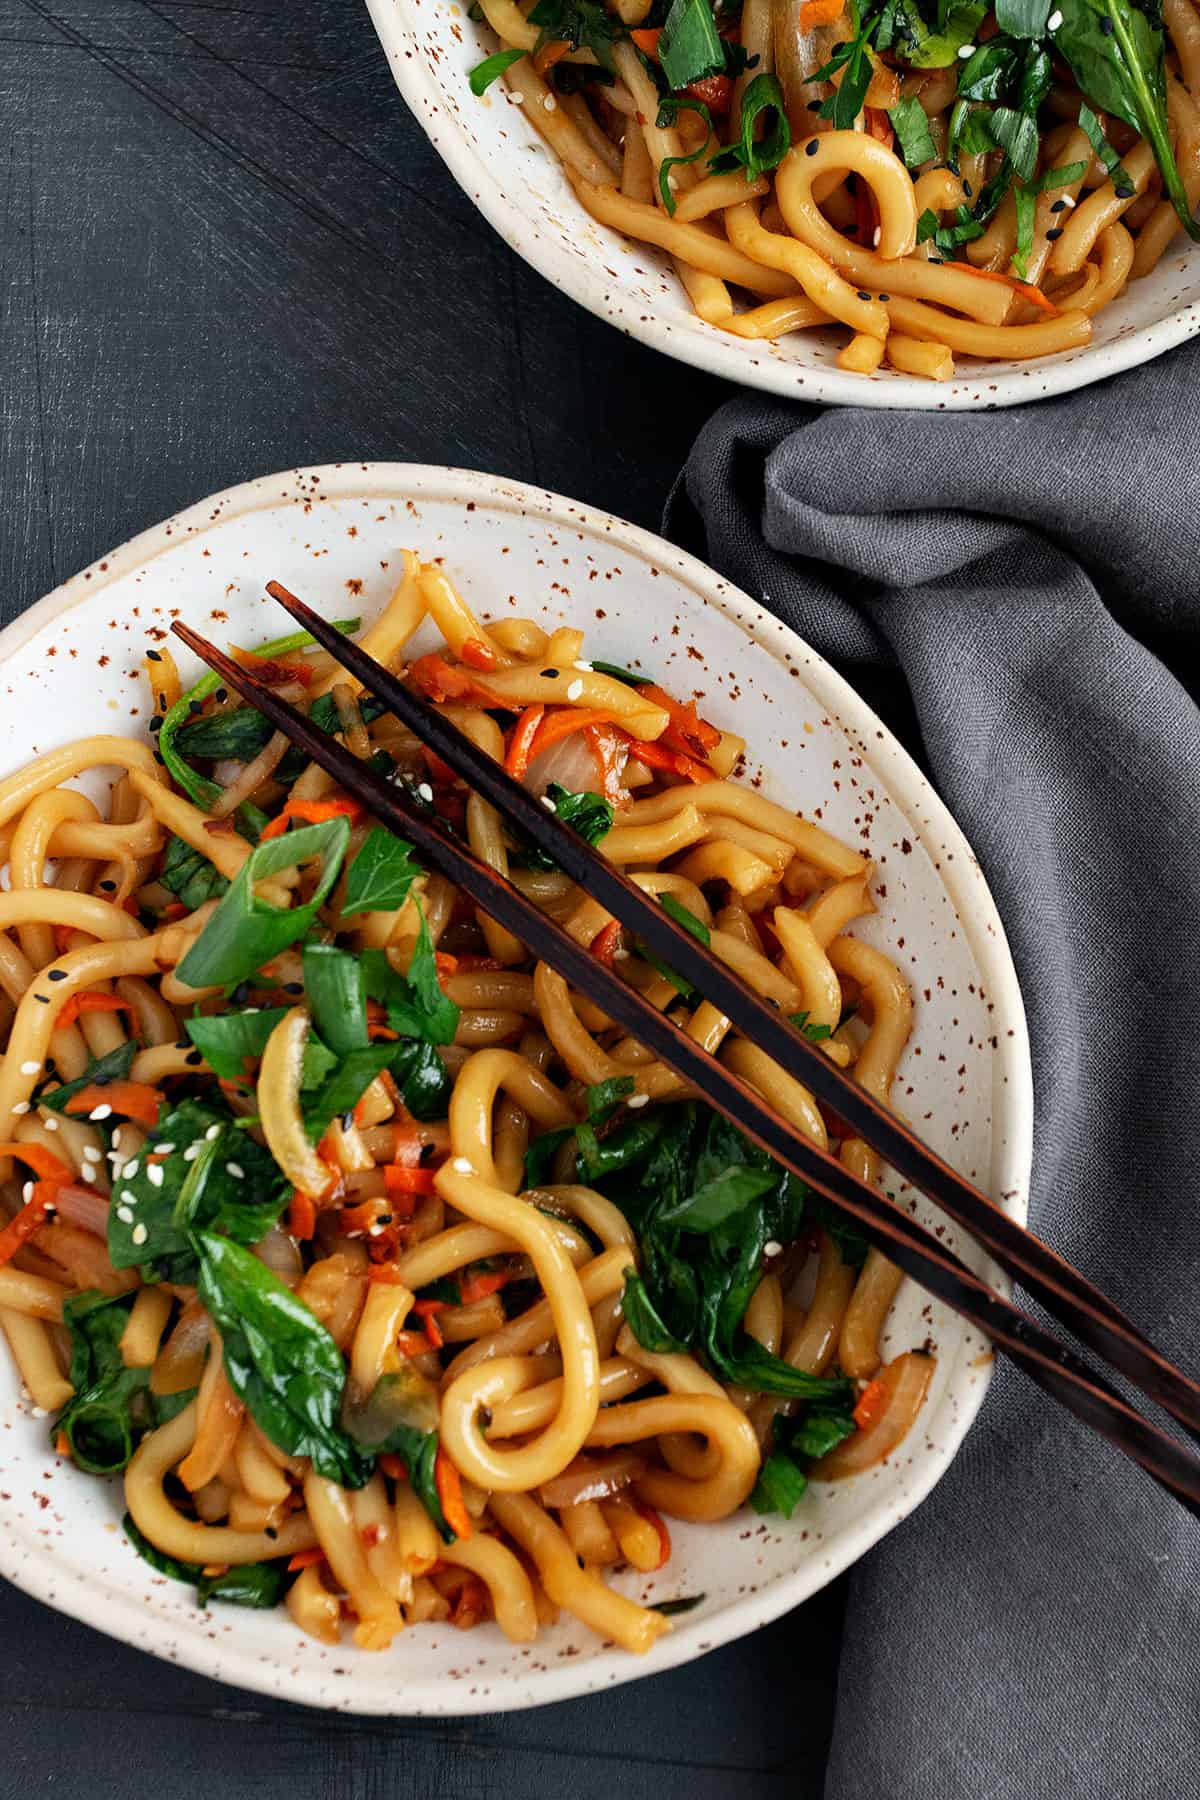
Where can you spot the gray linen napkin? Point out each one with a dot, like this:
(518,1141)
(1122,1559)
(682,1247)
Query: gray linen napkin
(1034,1629)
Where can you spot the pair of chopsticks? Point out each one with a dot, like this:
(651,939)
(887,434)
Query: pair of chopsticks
(1065,1293)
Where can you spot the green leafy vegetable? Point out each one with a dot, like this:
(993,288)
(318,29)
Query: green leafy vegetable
(852,58)
(491,69)
(226,1040)
(902,28)
(1109,157)
(912,132)
(780,1486)
(213,1178)
(669,110)
(401,1416)
(246,931)
(379,878)
(689,47)
(1023,18)
(416,1005)
(190,876)
(586,813)
(422,1077)
(344,1086)
(617,673)
(583,24)
(112,1405)
(541,1153)
(337,997)
(245,1584)
(682,915)
(113,1067)
(718,1200)
(783,1477)
(766,136)
(686,1603)
(279,1359)
(236,735)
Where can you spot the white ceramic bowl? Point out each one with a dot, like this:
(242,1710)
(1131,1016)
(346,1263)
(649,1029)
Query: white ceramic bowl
(70,666)
(502,164)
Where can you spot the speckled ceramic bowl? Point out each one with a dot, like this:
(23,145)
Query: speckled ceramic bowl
(70,666)
(502,164)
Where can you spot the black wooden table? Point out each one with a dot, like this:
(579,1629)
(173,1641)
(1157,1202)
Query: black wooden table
(226,249)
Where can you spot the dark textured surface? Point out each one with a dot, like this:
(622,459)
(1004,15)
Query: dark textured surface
(226,249)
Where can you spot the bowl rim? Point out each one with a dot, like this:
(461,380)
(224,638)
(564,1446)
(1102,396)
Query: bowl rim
(718,353)
(120,1615)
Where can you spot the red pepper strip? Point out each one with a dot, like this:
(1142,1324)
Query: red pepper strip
(664,1537)
(562,721)
(545,59)
(715,91)
(674,761)
(313,812)
(70,1010)
(394,1465)
(302,1216)
(444,963)
(427,1311)
(401,1180)
(647,41)
(475,653)
(306,1559)
(42,1162)
(483,1283)
(31,1218)
(878,124)
(687,731)
(132,1099)
(433,676)
(516,755)
(449,1492)
(275,671)
(1026,289)
(871,1403)
(606,942)
(412,1343)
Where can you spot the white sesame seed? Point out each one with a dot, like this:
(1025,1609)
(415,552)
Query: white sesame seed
(128,1196)
(772,1247)
(27,1192)
(375,1231)
(462,1166)
(548,803)
(877,236)
(550,103)
(1054,21)
(966,51)
(87,1171)
(21,1108)
(585,667)
(38,1412)
(91,1154)
(130,1169)
(154,1174)
(425,791)
(125,1214)
(50,1124)
(1070,199)
(30,1068)
(100,1112)
(574,690)
(636,1100)
(236,1170)
(213,1133)
(163,1149)
(192,1152)
(139,1234)
(514,98)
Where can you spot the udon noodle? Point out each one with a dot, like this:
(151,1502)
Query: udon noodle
(932,180)
(394,1282)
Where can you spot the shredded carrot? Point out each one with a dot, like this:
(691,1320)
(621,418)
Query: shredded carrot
(398,1179)
(42,1162)
(31,1218)
(433,676)
(306,1559)
(472,1605)
(388,1274)
(1026,289)
(313,812)
(819,12)
(62,938)
(393,1465)
(871,1403)
(516,755)
(674,761)
(879,126)
(664,1537)
(561,721)
(176,910)
(427,1311)
(444,963)
(302,1215)
(475,653)
(70,1010)
(132,1099)
(380,1033)
(687,731)
(275,671)
(606,942)
(409,1144)
(647,41)
(715,91)
(545,59)
(412,1343)
(482,1283)
(449,1492)
(62,1444)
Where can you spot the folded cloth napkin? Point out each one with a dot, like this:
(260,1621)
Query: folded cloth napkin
(1034,1628)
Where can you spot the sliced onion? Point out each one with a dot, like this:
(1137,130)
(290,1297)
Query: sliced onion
(906,1381)
(279,1112)
(180,1362)
(280,1253)
(798,55)
(84,1207)
(593,1478)
(587,762)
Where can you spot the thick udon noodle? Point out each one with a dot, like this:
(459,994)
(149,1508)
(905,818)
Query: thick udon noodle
(789,251)
(590,1438)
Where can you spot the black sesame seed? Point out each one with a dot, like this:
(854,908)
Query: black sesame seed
(155,725)
(838,48)
(183,1043)
(550,674)
(101,1080)
(221,695)
(1056,233)
(158,759)
(56,975)
(383,1218)
(293,987)
(1107,27)
(885,296)
(1059,206)
(270,1531)
(815,105)
(968,190)
(107,887)
(863,296)
(194,706)
(193,1059)
(162,703)
(241,993)
(347,1120)
(810,149)
(42,999)
(153,656)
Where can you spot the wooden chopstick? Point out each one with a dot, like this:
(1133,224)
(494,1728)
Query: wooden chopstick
(1055,1367)
(1065,1293)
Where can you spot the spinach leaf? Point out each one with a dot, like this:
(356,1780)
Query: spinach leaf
(379,878)
(236,735)
(246,931)
(717,1200)
(686,1603)
(337,997)
(279,1359)
(541,1153)
(846,102)
(491,69)
(344,1087)
(1023,18)
(422,1077)
(1122,184)
(190,876)
(758,151)
(401,1416)
(583,24)
(226,1040)
(214,1177)
(103,1069)
(111,1404)
(783,1477)
(780,1486)
(902,28)
(587,813)
(644,1320)
(689,47)
(604,1098)
(246,1584)
(323,712)
(912,132)
(416,1005)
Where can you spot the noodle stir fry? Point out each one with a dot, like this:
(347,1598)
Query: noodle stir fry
(392,1280)
(938,177)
